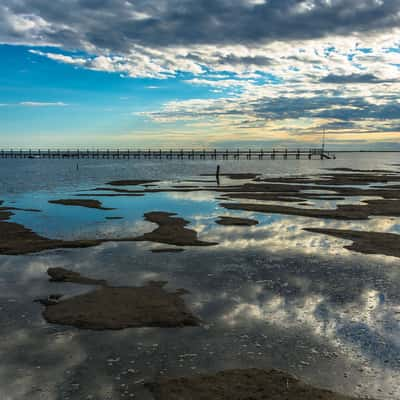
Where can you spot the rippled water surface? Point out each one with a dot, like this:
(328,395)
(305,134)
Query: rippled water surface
(270,295)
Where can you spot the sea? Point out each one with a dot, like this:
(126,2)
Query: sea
(269,296)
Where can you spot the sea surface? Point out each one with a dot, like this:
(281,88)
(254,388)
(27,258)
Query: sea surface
(269,296)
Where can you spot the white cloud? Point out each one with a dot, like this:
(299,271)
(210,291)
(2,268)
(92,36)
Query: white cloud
(42,104)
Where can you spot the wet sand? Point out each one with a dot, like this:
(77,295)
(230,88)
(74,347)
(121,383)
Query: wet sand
(237,384)
(171,230)
(244,175)
(366,242)
(167,250)
(390,208)
(339,179)
(16,239)
(109,307)
(131,182)
(58,274)
(80,203)
(234,221)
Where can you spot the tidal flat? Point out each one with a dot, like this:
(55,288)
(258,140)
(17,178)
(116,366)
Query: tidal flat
(290,285)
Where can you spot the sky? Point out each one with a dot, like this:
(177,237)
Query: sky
(200,73)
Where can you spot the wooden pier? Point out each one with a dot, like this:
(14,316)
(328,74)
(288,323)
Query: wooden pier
(172,154)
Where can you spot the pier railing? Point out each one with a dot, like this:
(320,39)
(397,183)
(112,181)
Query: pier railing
(167,154)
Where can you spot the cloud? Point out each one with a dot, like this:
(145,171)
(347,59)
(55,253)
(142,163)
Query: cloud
(42,104)
(284,65)
(117,24)
(353,78)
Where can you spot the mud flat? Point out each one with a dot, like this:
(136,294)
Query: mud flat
(235,221)
(244,175)
(81,203)
(282,196)
(303,212)
(130,182)
(109,307)
(171,230)
(365,171)
(390,208)
(16,239)
(58,274)
(387,244)
(237,384)
(356,178)
(168,250)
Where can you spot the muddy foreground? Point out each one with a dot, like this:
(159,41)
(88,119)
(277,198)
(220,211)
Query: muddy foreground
(109,307)
(250,384)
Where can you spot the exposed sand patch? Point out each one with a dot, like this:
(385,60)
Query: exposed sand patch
(282,196)
(366,242)
(235,221)
(167,250)
(117,190)
(110,307)
(236,384)
(365,171)
(16,239)
(382,207)
(81,203)
(130,182)
(356,178)
(171,230)
(244,175)
(59,274)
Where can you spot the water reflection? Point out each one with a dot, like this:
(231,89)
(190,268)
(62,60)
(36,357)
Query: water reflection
(271,295)
(318,317)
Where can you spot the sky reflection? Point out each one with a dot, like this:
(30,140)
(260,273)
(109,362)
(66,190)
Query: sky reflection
(270,295)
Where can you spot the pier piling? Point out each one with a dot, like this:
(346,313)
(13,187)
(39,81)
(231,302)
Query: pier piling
(171,154)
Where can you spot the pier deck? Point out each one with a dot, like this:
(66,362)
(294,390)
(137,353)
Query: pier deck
(172,154)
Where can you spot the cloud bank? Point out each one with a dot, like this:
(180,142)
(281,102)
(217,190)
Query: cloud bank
(279,65)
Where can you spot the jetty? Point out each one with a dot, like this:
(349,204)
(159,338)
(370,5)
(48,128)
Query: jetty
(168,154)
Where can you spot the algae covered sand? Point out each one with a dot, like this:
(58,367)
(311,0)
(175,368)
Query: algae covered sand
(80,203)
(58,274)
(109,307)
(235,221)
(171,230)
(366,242)
(130,182)
(16,239)
(241,384)
(361,211)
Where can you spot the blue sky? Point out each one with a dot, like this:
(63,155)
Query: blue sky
(48,102)
(96,73)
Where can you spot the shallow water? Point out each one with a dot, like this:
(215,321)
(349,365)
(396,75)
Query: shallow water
(270,295)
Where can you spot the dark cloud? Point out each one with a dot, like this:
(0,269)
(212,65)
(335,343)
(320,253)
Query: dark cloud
(353,78)
(347,112)
(115,25)
(310,107)
(232,59)
(338,125)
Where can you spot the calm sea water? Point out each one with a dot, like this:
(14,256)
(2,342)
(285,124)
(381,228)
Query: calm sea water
(270,295)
